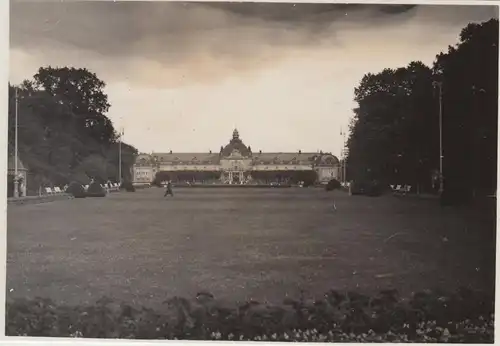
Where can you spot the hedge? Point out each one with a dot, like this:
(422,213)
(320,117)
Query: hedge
(76,189)
(430,316)
(96,190)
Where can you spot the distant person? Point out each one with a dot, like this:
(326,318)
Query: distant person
(332,186)
(169,190)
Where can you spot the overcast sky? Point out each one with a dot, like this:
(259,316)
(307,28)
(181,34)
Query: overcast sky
(181,76)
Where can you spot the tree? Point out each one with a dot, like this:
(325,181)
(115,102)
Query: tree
(395,130)
(469,75)
(56,142)
(392,127)
(94,166)
(83,92)
(128,152)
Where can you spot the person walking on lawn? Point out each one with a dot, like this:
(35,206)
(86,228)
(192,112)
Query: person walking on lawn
(333,185)
(169,190)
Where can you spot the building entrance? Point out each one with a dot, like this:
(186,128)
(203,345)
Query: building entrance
(236,179)
(233,177)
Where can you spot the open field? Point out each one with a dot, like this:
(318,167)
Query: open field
(242,243)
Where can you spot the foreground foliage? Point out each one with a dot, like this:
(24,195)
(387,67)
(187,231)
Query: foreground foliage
(431,316)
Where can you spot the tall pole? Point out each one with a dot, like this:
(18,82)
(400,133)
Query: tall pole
(16,173)
(343,155)
(441,180)
(345,167)
(345,162)
(342,158)
(120,156)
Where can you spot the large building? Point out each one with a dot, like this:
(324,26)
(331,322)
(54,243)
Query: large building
(235,164)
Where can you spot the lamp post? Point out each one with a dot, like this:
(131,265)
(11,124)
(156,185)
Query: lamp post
(343,155)
(120,156)
(16,149)
(439,85)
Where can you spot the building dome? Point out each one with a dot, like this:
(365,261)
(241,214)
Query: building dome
(330,160)
(325,160)
(236,144)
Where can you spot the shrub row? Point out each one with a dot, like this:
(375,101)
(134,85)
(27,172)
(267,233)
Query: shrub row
(462,316)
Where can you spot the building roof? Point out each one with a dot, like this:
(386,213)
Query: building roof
(236,144)
(186,157)
(12,166)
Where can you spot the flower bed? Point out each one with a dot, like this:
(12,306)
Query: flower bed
(463,316)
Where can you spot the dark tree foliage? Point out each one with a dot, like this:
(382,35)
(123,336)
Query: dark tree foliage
(64,134)
(469,73)
(395,109)
(395,131)
(83,92)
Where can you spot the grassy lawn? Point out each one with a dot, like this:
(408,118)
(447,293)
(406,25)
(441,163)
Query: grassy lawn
(242,243)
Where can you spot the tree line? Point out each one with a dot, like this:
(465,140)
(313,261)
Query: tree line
(395,133)
(64,134)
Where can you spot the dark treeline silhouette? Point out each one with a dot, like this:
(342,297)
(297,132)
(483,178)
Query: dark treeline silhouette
(395,132)
(64,134)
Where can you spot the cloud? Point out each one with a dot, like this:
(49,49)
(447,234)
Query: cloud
(169,44)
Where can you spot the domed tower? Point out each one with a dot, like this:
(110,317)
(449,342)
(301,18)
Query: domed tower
(236,135)
(235,144)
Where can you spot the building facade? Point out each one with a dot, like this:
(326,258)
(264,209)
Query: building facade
(235,164)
